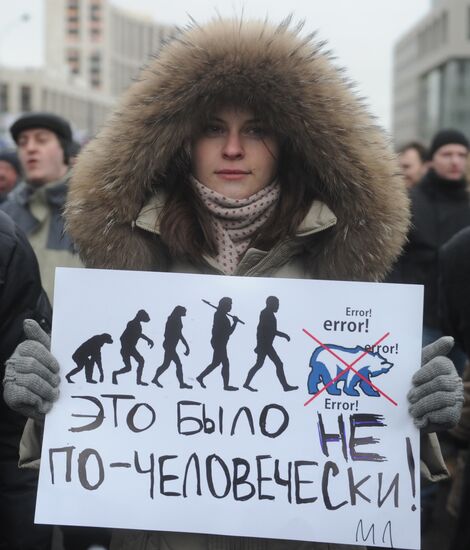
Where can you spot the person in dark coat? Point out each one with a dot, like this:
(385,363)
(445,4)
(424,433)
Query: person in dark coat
(37,203)
(412,158)
(454,289)
(440,207)
(454,301)
(21,297)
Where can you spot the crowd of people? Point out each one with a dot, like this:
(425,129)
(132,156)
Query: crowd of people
(241,151)
(440,208)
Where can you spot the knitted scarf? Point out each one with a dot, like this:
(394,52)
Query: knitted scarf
(235,221)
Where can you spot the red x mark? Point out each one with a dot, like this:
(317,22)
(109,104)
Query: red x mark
(348,367)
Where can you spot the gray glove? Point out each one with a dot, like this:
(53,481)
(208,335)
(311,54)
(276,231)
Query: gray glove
(436,397)
(31,383)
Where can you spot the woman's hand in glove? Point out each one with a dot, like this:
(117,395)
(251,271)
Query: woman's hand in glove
(31,383)
(436,398)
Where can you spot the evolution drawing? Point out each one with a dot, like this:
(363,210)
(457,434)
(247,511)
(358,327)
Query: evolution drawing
(129,339)
(222,329)
(173,335)
(265,334)
(87,355)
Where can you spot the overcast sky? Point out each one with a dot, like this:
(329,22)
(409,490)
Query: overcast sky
(361,33)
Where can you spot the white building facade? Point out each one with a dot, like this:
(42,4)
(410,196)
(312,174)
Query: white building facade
(93,50)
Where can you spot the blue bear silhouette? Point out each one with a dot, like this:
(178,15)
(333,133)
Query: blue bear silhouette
(325,367)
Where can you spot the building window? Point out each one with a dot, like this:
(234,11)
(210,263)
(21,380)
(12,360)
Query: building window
(431,102)
(95,11)
(95,33)
(73,61)
(95,20)
(73,18)
(73,31)
(25,98)
(3,98)
(463,78)
(95,70)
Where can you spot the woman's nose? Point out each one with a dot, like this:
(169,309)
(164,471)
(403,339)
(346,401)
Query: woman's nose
(233,147)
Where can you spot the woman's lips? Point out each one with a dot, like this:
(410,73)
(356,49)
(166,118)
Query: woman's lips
(232,175)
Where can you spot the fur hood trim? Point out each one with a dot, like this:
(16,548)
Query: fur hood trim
(293,83)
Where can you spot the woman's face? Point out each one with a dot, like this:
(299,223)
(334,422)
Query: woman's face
(234,154)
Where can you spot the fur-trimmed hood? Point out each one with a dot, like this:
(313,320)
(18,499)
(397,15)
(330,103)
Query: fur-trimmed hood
(293,83)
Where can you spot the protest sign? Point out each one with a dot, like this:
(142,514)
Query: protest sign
(243,406)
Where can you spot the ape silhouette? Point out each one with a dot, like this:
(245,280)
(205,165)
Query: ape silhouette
(129,339)
(265,334)
(221,332)
(173,335)
(87,355)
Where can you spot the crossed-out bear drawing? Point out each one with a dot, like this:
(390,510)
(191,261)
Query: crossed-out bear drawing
(88,354)
(325,368)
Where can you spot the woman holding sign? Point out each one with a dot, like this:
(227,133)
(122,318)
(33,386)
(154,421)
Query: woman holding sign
(241,150)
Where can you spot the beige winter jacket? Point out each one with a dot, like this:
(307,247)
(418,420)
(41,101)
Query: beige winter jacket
(354,230)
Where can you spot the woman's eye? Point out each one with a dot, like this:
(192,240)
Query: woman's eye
(213,130)
(256,131)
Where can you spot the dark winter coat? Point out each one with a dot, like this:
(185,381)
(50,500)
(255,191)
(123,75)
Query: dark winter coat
(454,288)
(454,301)
(454,311)
(17,207)
(440,208)
(21,297)
(38,211)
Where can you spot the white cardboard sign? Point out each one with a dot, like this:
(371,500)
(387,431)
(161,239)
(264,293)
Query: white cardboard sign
(319,447)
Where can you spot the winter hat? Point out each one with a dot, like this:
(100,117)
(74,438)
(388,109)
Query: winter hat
(12,159)
(445,137)
(51,122)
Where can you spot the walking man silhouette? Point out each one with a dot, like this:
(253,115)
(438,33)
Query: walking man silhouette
(173,335)
(87,355)
(265,334)
(222,328)
(129,339)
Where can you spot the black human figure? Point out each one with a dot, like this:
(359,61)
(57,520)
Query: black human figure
(221,331)
(87,355)
(173,335)
(265,334)
(129,339)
